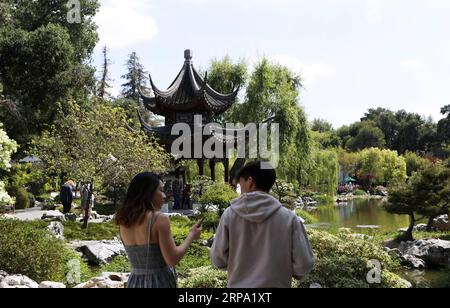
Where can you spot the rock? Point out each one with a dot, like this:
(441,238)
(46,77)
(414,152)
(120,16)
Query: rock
(418,228)
(368,227)
(315,286)
(18,282)
(99,252)
(442,223)
(51,285)
(3,275)
(57,229)
(94,215)
(70,217)
(210,241)
(435,253)
(413,262)
(53,216)
(107,281)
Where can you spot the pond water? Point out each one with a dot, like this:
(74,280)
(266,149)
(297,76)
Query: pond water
(368,215)
(360,214)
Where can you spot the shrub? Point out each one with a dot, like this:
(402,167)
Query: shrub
(196,256)
(341,262)
(29,251)
(21,195)
(199,186)
(219,194)
(306,216)
(359,192)
(204,277)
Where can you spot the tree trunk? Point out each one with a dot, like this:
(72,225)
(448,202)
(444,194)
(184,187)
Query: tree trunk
(408,235)
(430,223)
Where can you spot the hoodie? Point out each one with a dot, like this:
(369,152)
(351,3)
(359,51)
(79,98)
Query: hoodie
(261,244)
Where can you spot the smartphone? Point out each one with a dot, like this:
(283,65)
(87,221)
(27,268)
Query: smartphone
(201,221)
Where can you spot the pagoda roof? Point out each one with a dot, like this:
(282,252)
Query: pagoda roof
(189,92)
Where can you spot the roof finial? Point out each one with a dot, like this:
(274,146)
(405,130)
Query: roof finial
(188,54)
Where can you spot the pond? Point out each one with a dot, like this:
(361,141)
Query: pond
(360,214)
(369,215)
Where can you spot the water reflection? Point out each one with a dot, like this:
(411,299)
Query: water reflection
(361,212)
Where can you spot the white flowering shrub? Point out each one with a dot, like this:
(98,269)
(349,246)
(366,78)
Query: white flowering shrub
(7,148)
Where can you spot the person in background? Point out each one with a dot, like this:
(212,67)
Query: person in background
(66,196)
(176,190)
(186,204)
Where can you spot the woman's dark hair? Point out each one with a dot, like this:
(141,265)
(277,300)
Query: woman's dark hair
(264,178)
(138,200)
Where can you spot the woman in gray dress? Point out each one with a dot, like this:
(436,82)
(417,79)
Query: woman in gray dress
(146,235)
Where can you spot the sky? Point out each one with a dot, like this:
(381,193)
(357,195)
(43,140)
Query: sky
(351,54)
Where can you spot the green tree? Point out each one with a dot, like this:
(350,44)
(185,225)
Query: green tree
(444,125)
(365,135)
(96,144)
(105,81)
(136,77)
(381,167)
(44,60)
(323,174)
(321,126)
(414,163)
(7,148)
(225,76)
(426,192)
(273,96)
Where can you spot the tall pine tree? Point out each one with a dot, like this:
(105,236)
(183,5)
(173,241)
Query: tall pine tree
(104,82)
(136,77)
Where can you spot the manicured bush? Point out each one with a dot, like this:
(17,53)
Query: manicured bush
(359,192)
(29,251)
(220,195)
(341,262)
(22,197)
(204,278)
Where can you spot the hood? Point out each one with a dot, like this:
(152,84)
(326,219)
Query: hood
(256,206)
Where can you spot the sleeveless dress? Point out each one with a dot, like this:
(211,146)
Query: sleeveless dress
(148,267)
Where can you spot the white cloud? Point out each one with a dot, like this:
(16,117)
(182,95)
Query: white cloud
(310,73)
(124,23)
(413,65)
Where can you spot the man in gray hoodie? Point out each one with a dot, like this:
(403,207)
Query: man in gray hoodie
(259,242)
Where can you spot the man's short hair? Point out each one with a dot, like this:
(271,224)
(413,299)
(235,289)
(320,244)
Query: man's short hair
(264,178)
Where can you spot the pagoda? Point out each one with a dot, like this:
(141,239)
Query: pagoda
(188,96)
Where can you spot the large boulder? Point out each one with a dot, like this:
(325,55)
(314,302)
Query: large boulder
(106,281)
(99,252)
(70,217)
(413,262)
(57,229)
(18,282)
(418,228)
(435,253)
(51,285)
(442,223)
(53,216)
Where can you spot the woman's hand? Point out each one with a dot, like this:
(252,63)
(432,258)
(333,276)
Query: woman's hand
(196,231)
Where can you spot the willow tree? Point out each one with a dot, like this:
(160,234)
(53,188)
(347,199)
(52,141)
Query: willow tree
(272,96)
(323,174)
